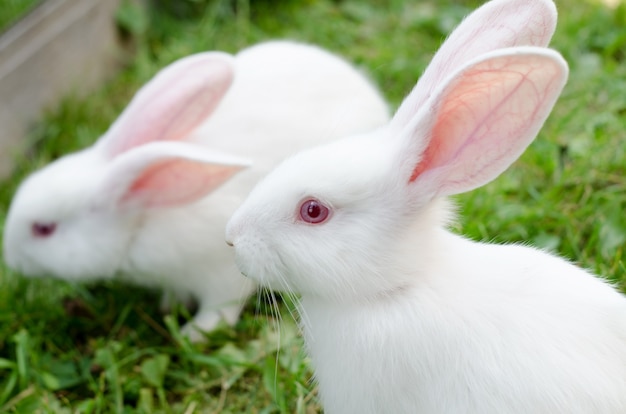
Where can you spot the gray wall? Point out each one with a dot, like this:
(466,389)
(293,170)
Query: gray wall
(61,47)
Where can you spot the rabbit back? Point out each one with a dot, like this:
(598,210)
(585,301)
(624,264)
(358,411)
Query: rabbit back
(294,96)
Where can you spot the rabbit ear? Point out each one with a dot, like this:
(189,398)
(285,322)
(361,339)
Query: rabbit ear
(498,24)
(173,103)
(481,119)
(167,174)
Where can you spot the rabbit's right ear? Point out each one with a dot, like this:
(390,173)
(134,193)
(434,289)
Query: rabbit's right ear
(169,107)
(166,174)
(497,24)
(479,121)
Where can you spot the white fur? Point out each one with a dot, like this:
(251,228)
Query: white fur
(399,314)
(284,97)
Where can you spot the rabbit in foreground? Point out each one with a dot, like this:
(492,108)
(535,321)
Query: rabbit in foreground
(135,204)
(400,315)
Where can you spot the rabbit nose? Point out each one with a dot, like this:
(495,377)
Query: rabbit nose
(233,230)
(230,235)
(229,238)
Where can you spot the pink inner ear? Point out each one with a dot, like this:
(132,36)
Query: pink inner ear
(177,182)
(468,119)
(457,126)
(486,118)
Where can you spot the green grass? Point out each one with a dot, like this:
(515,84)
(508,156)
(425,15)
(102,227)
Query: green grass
(12,10)
(67,348)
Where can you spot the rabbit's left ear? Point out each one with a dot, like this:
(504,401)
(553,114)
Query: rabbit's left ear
(167,174)
(480,120)
(176,101)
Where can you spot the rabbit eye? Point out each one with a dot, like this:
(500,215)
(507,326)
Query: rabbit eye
(314,212)
(42,230)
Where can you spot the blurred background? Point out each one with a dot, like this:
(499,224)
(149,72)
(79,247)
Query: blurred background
(69,67)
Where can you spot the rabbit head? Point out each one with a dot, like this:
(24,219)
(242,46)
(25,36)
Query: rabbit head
(84,230)
(75,218)
(331,221)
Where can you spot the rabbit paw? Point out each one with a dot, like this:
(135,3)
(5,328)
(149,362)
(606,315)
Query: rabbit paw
(200,324)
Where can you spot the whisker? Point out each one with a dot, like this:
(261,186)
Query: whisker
(277,321)
(298,315)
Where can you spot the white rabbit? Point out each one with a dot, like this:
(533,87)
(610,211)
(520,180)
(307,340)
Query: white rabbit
(137,208)
(400,315)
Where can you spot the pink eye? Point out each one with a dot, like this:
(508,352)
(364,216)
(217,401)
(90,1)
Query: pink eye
(42,230)
(314,212)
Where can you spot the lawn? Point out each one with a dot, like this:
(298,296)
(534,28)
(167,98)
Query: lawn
(12,10)
(105,348)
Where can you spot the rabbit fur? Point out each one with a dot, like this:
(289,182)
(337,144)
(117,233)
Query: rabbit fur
(399,314)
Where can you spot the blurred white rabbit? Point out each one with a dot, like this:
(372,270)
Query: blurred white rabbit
(135,204)
(399,314)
